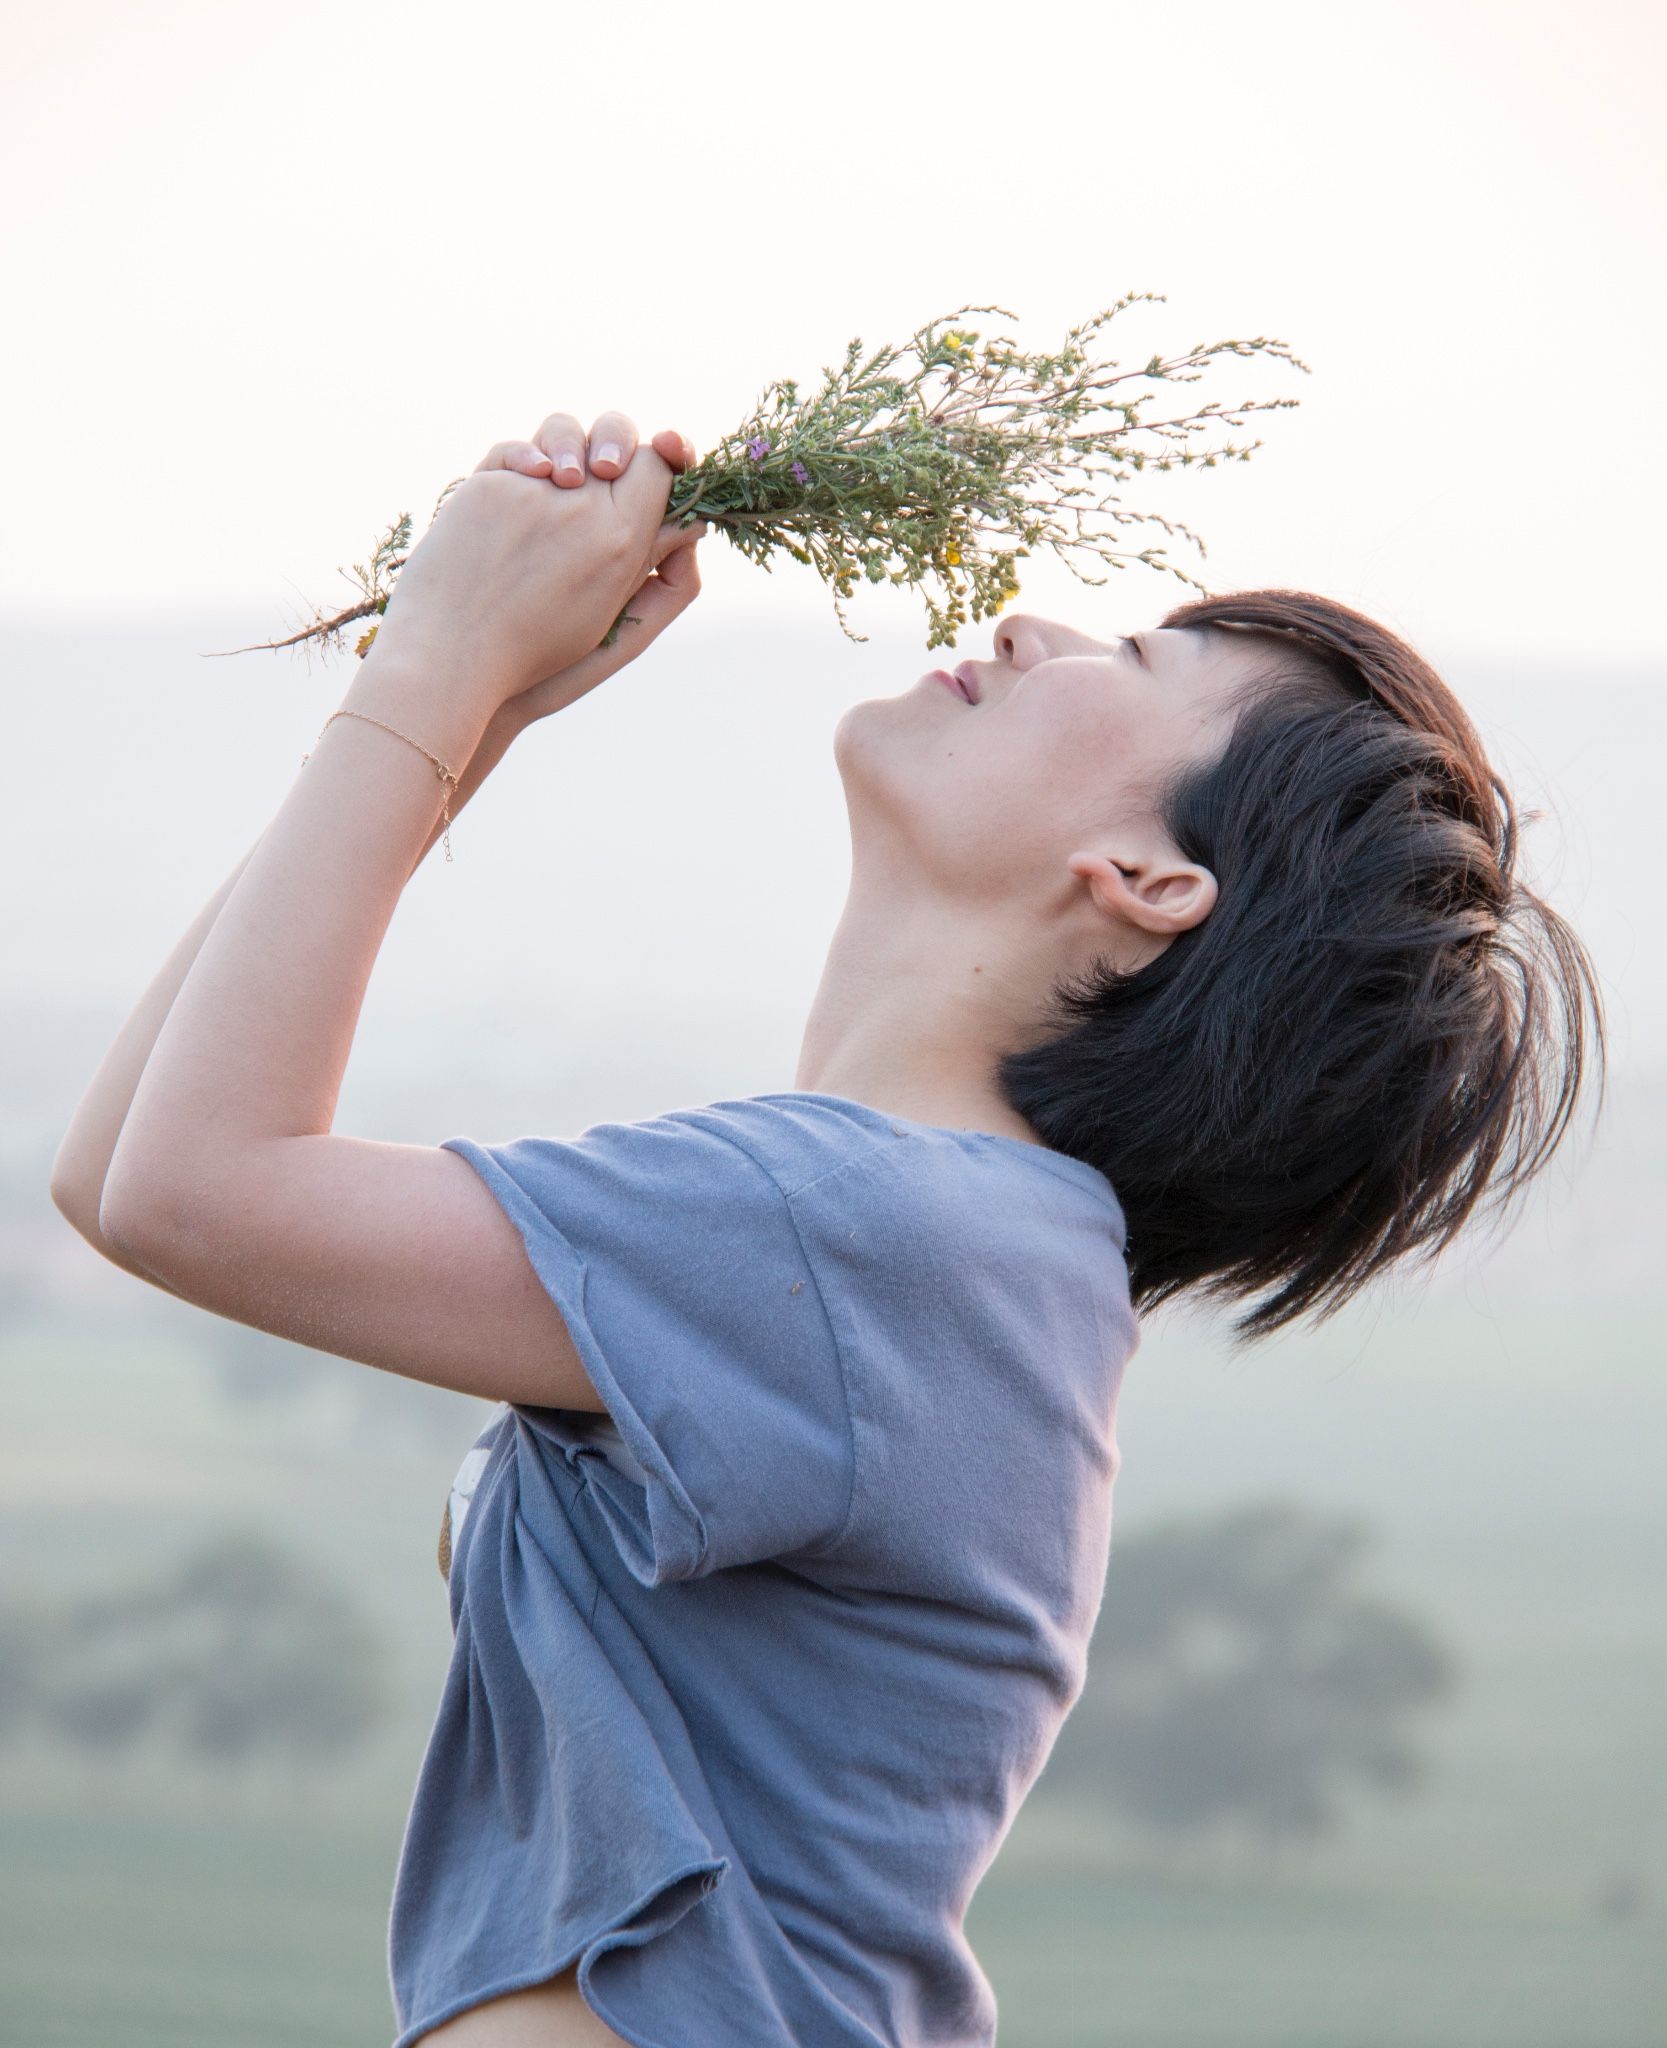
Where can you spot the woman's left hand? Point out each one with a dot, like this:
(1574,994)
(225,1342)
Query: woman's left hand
(532,558)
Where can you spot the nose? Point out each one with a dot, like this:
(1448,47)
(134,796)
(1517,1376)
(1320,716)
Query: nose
(1021,640)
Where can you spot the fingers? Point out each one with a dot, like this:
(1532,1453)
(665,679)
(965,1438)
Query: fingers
(517,455)
(673,539)
(661,597)
(669,590)
(642,492)
(677,449)
(613,441)
(563,439)
(561,450)
(609,447)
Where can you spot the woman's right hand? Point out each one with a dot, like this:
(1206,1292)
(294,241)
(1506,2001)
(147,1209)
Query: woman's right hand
(662,596)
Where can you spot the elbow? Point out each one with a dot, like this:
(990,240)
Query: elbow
(79,1197)
(77,1188)
(125,1243)
(133,1219)
(77,1204)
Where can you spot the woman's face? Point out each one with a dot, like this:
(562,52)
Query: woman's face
(1064,751)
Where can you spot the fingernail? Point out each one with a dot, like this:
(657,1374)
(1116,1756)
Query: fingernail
(568,464)
(608,452)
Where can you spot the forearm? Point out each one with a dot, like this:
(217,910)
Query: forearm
(83,1158)
(254,1046)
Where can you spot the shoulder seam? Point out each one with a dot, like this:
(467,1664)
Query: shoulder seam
(871,1143)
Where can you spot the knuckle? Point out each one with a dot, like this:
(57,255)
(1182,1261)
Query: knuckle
(613,439)
(561,434)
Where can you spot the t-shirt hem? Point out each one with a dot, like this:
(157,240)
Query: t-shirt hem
(616,1932)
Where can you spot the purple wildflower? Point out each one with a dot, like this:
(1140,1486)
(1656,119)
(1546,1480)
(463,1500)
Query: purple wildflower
(801,472)
(758,448)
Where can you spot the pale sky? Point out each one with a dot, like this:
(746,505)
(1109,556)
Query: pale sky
(278,274)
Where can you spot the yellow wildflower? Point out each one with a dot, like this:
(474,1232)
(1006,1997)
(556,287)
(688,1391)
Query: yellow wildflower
(954,558)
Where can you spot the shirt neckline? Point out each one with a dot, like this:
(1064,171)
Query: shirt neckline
(1061,1164)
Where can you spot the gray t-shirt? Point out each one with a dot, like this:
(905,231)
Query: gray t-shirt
(751,1675)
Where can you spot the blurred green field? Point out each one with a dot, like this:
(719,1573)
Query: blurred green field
(1513,1502)
(197,1933)
(1501,1439)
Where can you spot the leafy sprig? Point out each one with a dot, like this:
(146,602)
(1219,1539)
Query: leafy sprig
(939,465)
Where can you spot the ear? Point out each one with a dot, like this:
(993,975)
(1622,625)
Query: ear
(1161,896)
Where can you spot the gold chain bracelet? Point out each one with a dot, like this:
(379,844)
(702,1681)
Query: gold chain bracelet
(441,769)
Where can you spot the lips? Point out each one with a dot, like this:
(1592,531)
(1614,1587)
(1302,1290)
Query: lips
(942,675)
(968,680)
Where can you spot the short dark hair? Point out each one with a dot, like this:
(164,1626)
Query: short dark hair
(1377,1024)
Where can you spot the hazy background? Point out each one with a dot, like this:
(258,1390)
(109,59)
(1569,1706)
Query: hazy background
(278,277)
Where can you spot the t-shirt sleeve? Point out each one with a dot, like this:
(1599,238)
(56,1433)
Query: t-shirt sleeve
(677,1266)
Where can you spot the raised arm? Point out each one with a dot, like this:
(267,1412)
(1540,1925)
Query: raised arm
(227,1184)
(83,1158)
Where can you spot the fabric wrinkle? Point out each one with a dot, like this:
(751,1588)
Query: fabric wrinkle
(752,1667)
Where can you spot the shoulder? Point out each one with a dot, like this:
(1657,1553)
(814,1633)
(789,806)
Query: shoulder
(844,1177)
(868,1182)
(796,1139)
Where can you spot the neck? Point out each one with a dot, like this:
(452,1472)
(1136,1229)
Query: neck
(912,1011)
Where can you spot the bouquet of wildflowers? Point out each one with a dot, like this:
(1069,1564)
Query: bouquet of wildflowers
(939,465)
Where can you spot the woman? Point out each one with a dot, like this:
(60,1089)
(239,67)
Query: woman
(1193,960)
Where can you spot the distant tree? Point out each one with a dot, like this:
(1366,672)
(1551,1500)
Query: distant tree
(1235,1681)
(242,1654)
(19,1670)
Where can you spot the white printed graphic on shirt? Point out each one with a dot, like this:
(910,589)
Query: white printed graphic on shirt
(463,1490)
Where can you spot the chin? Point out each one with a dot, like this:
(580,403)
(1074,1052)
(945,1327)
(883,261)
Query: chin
(854,740)
(869,711)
